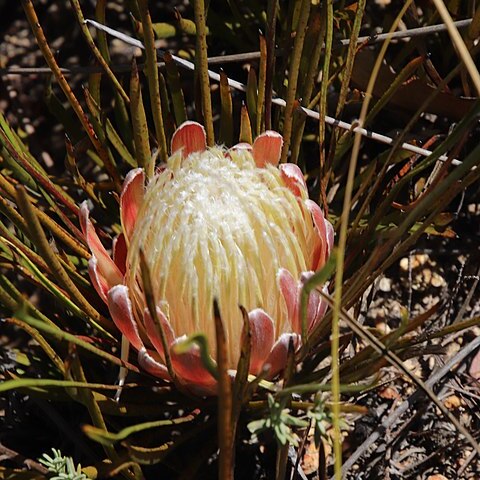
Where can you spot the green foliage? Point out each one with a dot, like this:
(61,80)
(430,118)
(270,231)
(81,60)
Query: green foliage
(321,418)
(280,421)
(283,424)
(63,467)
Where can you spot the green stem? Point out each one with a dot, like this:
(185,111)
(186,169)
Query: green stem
(272,10)
(341,256)
(323,101)
(139,122)
(293,72)
(96,52)
(41,242)
(153,83)
(50,59)
(201,64)
(225,428)
(262,75)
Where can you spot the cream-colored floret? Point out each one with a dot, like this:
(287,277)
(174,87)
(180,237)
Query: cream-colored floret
(211,227)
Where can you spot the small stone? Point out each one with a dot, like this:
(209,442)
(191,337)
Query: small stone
(427,276)
(473,208)
(385,284)
(438,281)
(452,402)
(413,366)
(421,259)
(383,327)
(404,263)
(389,393)
(415,261)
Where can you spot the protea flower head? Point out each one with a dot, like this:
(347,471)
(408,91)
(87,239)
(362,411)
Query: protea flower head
(213,224)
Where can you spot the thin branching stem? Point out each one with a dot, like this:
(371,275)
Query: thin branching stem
(87,398)
(96,52)
(459,44)
(61,335)
(50,59)
(237,57)
(396,145)
(352,48)
(341,251)
(394,360)
(40,240)
(282,103)
(347,73)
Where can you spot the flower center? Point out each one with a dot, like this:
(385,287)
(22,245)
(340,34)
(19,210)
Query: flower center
(218,228)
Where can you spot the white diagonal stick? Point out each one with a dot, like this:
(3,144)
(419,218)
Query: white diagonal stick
(277,101)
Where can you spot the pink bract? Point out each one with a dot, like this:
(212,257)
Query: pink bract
(116,281)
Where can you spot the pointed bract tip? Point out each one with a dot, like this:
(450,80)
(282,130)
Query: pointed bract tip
(188,138)
(267,148)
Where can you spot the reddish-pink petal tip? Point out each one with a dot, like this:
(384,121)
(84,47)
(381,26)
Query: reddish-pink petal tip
(262,333)
(189,137)
(279,354)
(131,200)
(294,179)
(189,369)
(98,281)
(120,308)
(267,148)
(104,269)
(153,330)
(242,146)
(322,250)
(150,362)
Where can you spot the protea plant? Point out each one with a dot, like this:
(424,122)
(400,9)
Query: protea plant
(213,225)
